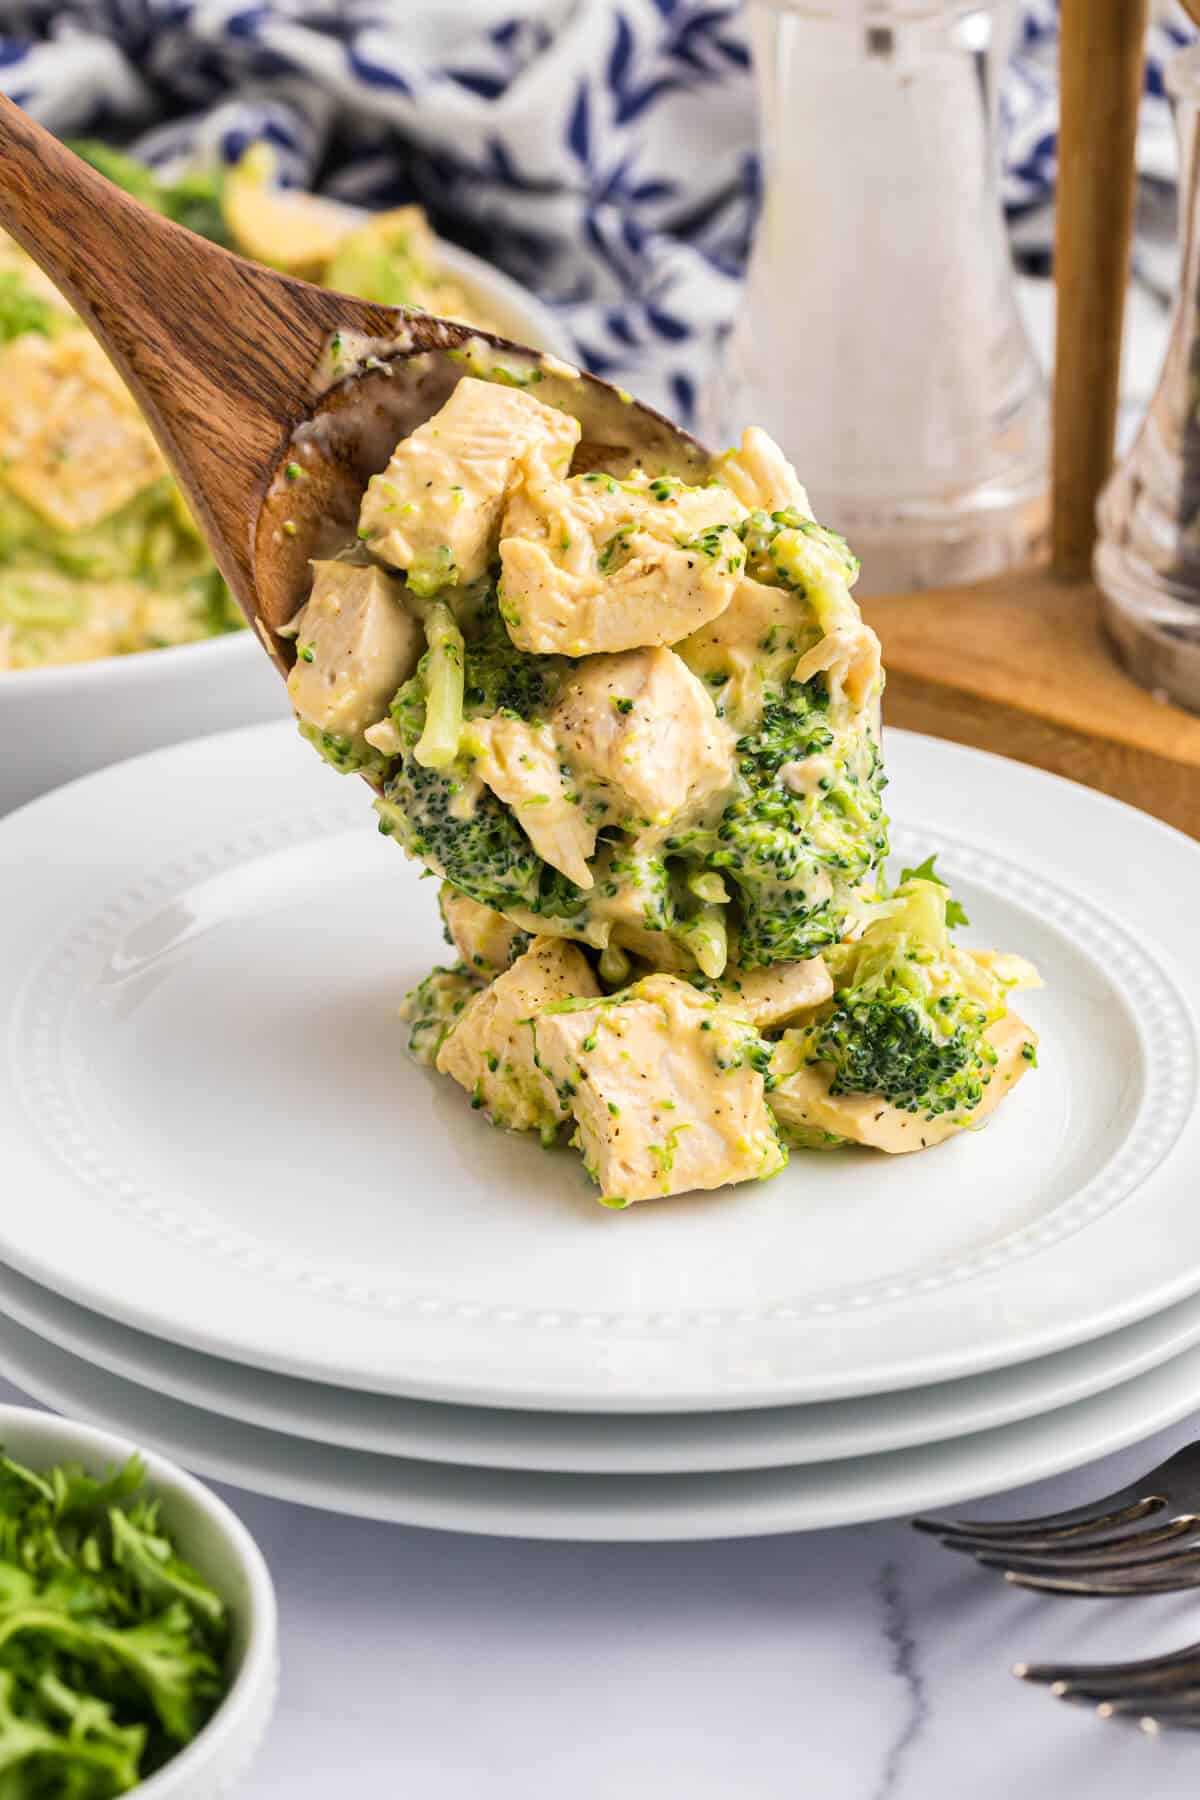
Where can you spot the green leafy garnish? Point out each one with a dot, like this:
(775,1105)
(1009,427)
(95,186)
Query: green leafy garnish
(112,1648)
(955,914)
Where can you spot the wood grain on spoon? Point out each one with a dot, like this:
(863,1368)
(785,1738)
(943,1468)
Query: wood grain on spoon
(222,355)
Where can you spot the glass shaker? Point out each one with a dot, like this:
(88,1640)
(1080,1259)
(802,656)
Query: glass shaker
(1147,559)
(880,339)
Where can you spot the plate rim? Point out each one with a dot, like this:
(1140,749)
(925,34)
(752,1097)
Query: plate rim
(651,1508)
(91,1337)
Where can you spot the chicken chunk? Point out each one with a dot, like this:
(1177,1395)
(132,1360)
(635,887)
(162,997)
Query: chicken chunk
(753,644)
(435,510)
(642,728)
(1014,971)
(771,996)
(761,475)
(355,645)
(73,444)
(595,564)
(492,1051)
(801,1099)
(522,765)
(849,658)
(282,227)
(663,1091)
(484,938)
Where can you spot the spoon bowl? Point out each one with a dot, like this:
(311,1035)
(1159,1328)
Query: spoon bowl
(311,498)
(274,401)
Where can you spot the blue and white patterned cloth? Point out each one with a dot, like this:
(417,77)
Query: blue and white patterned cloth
(602,151)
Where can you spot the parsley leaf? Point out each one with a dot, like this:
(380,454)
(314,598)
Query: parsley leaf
(926,871)
(112,1648)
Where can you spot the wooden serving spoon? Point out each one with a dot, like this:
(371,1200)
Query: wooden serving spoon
(273,401)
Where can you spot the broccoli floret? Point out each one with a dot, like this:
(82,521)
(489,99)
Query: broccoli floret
(796,851)
(761,835)
(381,262)
(123,170)
(194,201)
(22,310)
(909,1013)
(781,925)
(560,899)
(641,872)
(349,756)
(434,1007)
(810,1137)
(502,679)
(458,827)
(766,559)
(443,814)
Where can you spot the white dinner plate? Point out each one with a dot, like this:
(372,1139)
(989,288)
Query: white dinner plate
(601,1443)
(210,1129)
(540,1504)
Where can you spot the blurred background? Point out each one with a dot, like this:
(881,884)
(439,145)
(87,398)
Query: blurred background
(831,217)
(616,158)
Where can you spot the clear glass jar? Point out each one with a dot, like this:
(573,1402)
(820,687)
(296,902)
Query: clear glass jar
(1147,560)
(880,339)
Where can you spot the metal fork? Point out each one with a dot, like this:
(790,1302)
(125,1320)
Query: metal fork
(1144,1539)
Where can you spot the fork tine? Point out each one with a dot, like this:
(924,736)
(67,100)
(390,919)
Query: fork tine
(1132,1681)
(1154,1723)
(1052,1674)
(1077,1547)
(1175,1711)
(1138,1563)
(1151,1696)
(1104,1587)
(1085,1553)
(1124,1508)
(1179,1473)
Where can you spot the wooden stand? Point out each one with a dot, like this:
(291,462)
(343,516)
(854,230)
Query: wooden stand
(1020,666)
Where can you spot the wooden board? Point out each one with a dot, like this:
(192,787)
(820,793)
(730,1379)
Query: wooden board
(1019,665)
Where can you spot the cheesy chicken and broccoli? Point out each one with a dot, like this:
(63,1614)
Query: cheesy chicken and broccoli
(98,553)
(633,725)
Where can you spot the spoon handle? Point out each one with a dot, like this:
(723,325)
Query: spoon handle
(218,351)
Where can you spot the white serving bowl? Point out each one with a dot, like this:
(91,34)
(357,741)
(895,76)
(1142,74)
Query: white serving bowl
(216,1542)
(58,723)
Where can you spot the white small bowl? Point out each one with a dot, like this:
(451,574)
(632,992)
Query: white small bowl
(217,1543)
(59,723)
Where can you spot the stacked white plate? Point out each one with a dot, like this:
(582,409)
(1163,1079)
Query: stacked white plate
(237,1223)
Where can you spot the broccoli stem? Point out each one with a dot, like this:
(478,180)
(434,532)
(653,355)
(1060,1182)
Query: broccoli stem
(705,936)
(442,673)
(706,884)
(615,967)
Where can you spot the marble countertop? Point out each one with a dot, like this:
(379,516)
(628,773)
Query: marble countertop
(865,1664)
